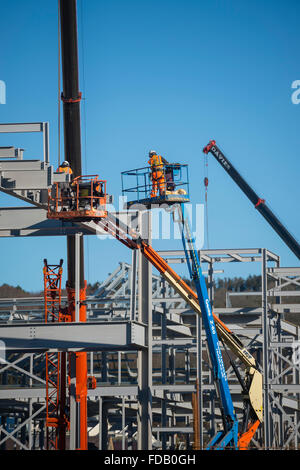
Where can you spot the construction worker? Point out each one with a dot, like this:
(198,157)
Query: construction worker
(90,191)
(66,189)
(157,163)
(98,192)
(65,168)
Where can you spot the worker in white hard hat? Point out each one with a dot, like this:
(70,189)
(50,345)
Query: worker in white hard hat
(65,168)
(65,187)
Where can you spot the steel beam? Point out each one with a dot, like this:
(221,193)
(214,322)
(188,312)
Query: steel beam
(74,336)
(173,399)
(174,430)
(30,127)
(145,357)
(266,365)
(32,221)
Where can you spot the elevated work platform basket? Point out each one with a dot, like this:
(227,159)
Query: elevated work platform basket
(82,199)
(169,184)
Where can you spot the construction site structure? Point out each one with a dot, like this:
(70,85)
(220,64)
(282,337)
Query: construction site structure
(58,349)
(178,358)
(252,384)
(110,224)
(228,436)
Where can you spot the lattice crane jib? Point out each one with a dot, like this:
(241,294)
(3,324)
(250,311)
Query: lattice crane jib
(56,420)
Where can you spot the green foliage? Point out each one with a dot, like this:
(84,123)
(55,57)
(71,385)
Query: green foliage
(238,284)
(7,291)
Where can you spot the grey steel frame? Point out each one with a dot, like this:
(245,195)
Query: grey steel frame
(175,335)
(148,324)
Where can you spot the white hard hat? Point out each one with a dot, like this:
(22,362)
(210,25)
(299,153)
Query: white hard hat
(65,163)
(152,152)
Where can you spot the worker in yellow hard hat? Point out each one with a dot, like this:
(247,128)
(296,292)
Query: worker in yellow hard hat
(156,163)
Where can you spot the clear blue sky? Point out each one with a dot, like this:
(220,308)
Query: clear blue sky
(168,75)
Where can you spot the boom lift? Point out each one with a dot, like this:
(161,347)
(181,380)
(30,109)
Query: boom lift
(228,437)
(83,198)
(174,189)
(252,383)
(260,204)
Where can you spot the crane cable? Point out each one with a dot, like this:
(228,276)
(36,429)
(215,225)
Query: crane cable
(206,199)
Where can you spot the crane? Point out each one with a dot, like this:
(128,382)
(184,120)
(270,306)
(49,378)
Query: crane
(259,203)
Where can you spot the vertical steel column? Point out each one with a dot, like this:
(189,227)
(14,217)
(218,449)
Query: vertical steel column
(100,423)
(297,380)
(172,440)
(91,363)
(133,285)
(63,399)
(172,365)
(104,425)
(144,420)
(30,405)
(196,424)
(123,422)
(280,362)
(130,438)
(297,414)
(199,376)
(77,276)
(164,349)
(45,127)
(265,330)
(103,366)
(119,367)
(199,353)
(72,398)
(187,365)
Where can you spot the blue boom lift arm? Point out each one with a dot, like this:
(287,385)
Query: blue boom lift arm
(228,437)
(251,384)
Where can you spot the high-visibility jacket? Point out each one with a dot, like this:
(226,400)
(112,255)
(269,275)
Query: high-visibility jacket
(156,162)
(65,169)
(98,188)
